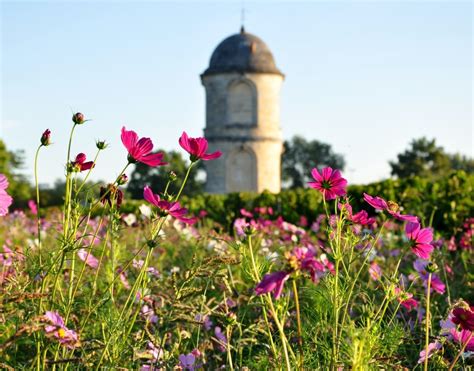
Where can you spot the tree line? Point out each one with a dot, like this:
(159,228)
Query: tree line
(423,158)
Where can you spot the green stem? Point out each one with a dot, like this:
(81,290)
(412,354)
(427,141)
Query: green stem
(428,321)
(38,215)
(298,321)
(184,181)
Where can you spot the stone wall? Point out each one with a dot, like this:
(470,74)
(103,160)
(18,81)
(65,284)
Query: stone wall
(256,137)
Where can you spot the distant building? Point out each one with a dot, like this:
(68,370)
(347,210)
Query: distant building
(243,116)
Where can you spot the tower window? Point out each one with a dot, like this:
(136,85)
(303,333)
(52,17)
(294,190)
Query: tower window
(241,103)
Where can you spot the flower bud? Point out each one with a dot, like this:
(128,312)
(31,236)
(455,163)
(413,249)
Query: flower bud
(123,179)
(172,176)
(431,267)
(46,138)
(101,144)
(152,244)
(78,118)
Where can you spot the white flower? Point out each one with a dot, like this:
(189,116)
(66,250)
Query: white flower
(130,219)
(145,210)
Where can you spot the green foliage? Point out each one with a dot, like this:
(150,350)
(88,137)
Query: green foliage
(157,177)
(300,155)
(444,204)
(425,159)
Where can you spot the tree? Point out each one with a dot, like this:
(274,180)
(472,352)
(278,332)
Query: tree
(300,156)
(10,164)
(157,177)
(425,159)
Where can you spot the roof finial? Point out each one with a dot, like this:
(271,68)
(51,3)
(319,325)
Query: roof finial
(242,18)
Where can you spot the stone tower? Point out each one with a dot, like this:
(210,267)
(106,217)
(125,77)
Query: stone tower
(243,116)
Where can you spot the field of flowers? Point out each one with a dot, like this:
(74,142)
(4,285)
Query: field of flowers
(92,287)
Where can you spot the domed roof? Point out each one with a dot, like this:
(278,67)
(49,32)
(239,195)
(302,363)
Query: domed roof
(242,52)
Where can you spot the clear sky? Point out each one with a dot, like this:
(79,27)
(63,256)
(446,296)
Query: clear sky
(366,77)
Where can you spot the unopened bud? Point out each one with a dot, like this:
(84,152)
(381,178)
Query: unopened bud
(152,244)
(431,267)
(46,138)
(78,118)
(172,176)
(122,180)
(101,144)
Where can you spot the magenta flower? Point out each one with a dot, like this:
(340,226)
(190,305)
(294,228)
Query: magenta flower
(139,150)
(5,199)
(32,206)
(391,207)
(420,239)
(361,217)
(406,299)
(272,282)
(197,148)
(304,259)
(166,207)
(329,182)
(464,317)
(462,337)
(80,164)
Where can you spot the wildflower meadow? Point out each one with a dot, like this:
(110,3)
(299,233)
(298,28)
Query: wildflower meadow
(106,283)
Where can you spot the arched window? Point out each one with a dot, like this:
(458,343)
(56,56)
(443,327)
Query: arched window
(241,103)
(241,171)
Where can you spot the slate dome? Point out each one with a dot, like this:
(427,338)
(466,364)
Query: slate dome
(242,52)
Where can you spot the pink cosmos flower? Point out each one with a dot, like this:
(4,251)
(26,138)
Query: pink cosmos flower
(272,282)
(420,239)
(80,164)
(197,148)
(57,329)
(5,199)
(88,258)
(375,271)
(432,348)
(32,206)
(139,150)
(329,182)
(361,217)
(406,299)
(461,337)
(391,207)
(436,283)
(304,259)
(172,208)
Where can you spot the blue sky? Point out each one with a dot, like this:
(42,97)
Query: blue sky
(366,77)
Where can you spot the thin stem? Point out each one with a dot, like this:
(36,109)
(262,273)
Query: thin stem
(38,215)
(298,321)
(460,352)
(428,321)
(184,181)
